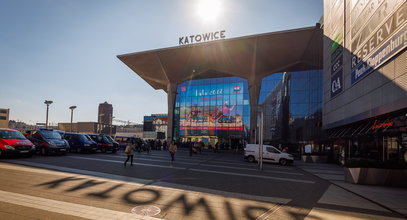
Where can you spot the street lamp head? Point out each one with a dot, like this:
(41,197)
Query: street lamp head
(72,107)
(48,102)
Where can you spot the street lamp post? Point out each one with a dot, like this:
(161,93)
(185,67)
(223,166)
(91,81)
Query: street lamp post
(72,108)
(261,137)
(47,102)
(111,124)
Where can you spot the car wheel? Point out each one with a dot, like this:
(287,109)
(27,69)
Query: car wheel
(251,159)
(1,154)
(103,150)
(78,150)
(283,161)
(114,151)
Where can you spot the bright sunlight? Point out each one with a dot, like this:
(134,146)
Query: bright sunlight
(209,10)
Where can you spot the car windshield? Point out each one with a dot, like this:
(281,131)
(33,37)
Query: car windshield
(82,137)
(5,134)
(50,134)
(110,138)
(88,138)
(106,139)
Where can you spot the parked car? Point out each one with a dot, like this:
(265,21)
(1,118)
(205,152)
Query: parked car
(122,140)
(270,154)
(47,141)
(115,143)
(13,142)
(80,142)
(104,143)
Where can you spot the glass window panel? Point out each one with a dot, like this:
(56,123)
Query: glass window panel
(232,99)
(239,110)
(239,100)
(299,109)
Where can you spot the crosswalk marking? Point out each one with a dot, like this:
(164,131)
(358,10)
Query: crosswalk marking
(252,169)
(67,208)
(141,164)
(138,158)
(201,170)
(242,166)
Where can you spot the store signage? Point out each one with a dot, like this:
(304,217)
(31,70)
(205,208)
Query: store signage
(363,31)
(202,37)
(203,92)
(236,89)
(337,65)
(336,83)
(390,48)
(387,29)
(361,15)
(381,125)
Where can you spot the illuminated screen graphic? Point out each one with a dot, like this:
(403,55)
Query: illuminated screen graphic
(216,107)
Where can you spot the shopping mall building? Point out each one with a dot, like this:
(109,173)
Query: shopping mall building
(340,86)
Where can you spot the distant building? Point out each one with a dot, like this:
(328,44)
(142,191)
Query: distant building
(105,113)
(19,125)
(4,117)
(155,126)
(88,127)
(130,131)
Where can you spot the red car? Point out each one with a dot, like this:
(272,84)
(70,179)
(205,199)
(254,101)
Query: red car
(13,142)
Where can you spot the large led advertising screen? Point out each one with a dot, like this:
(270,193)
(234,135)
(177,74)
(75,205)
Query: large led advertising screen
(214,107)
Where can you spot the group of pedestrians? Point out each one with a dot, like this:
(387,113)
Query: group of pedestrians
(133,145)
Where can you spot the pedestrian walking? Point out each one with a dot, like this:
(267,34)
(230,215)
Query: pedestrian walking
(149,146)
(216,147)
(191,148)
(129,152)
(172,149)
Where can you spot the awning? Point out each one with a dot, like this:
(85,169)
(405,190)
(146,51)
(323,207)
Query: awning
(374,126)
(247,57)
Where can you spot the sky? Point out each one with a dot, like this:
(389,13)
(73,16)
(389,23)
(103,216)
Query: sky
(65,50)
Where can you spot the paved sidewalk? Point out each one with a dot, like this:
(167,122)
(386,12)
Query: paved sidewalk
(393,199)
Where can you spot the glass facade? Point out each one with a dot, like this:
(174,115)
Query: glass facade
(292,103)
(212,109)
(218,109)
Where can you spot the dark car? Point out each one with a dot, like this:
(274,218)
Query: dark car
(80,142)
(115,143)
(122,140)
(13,142)
(47,141)
(104,143)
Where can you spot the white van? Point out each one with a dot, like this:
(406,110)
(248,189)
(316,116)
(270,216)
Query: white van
(270,154)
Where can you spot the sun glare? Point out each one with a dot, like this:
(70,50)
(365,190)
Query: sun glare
(209,10)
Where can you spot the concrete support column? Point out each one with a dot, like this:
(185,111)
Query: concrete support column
(171,93)
(254,92)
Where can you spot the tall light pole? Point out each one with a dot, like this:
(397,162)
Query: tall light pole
(47,102)
(111,124)
(72,108)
